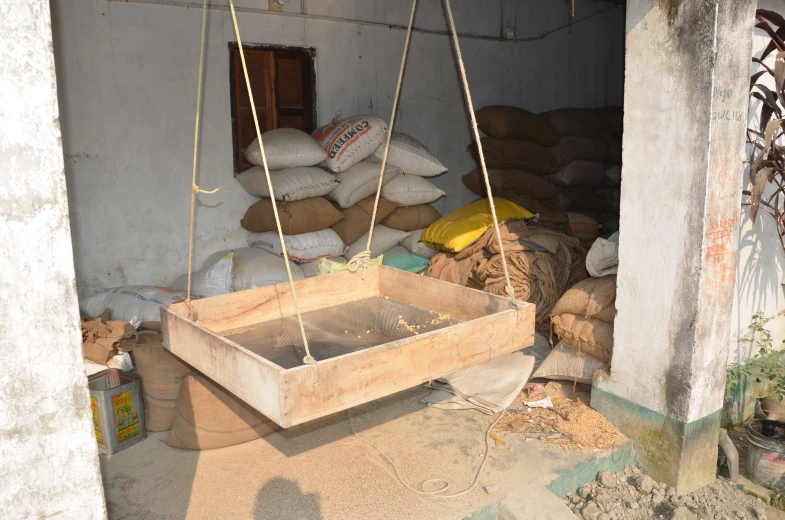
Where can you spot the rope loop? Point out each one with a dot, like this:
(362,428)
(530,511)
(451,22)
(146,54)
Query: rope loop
(192,314)
(309,360)
(359,261)
(197,189)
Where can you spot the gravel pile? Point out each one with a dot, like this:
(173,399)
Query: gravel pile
(633,495)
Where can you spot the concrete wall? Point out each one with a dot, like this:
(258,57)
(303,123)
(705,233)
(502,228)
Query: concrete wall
(48,453)
(127,77)
(761,260)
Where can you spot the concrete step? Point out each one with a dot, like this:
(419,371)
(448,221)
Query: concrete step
(533,502)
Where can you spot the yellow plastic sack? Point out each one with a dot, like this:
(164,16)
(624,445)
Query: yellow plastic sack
(455,231)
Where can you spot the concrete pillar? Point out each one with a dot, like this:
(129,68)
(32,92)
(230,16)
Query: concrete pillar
(686,99)
(48,454)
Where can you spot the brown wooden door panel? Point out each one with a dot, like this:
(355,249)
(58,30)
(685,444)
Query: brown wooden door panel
(282,86)
(289,85)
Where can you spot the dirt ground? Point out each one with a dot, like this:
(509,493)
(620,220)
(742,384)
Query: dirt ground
(633,495)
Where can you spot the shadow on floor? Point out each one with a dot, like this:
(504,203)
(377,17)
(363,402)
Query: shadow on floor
(133,489)
(298,439)
(281,499)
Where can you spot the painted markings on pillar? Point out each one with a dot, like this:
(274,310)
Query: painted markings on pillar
(720,258)
(723,95)
(728,115)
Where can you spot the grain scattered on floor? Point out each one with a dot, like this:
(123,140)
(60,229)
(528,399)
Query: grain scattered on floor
(572,424)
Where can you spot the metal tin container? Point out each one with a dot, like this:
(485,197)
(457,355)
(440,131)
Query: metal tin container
(766,454)
(118,414)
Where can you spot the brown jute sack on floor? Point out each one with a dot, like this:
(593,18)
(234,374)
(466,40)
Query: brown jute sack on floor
(102,338)
(410,218)
(161,373)
(590,298)
(595,337)
(518,181)
(210,417)
(297,217)
(503,122)
(516,155)
(357,218)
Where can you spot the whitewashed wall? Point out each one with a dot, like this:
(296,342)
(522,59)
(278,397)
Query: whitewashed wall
(127,81)
(761,260)
(48,452)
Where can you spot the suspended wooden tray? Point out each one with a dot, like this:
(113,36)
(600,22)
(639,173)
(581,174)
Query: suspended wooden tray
(371,338)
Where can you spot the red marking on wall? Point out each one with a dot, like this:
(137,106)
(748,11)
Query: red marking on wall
(720,256)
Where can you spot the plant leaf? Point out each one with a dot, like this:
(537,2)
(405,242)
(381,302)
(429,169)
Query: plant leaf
(768,50)
(770,135)
(766,111)
(755,77)
(771,16)
(779,72)
(770,98)
(775,38)
(762,64)
(762,178)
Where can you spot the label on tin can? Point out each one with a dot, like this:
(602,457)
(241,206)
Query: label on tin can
(96,421)
(126,417)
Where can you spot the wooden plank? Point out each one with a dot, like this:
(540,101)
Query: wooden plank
(250,377)
(244,308)
(363,376)
(457,302)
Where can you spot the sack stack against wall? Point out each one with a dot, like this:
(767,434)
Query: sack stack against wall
(298,190)
(355,152)
(583,321)
(567,160)
(324,186)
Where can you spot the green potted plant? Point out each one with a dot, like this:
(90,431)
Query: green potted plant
(766,437)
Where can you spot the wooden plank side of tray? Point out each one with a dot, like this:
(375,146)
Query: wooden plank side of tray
(244,308)
(250,377)
(363,376)
(436,295)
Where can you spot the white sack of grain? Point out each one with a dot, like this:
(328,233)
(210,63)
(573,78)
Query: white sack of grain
(306,247)
(410,155)
(132,303)
(567,363)
(286,148)
(257,268)
(213,279)
(413,244)
(350,140)
(360,181)
(251,268)
(297,183)
(383,239)
(410,190)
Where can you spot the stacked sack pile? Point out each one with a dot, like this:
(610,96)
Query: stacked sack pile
(583,319)
(563,164)
(333,215)
(542,262)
